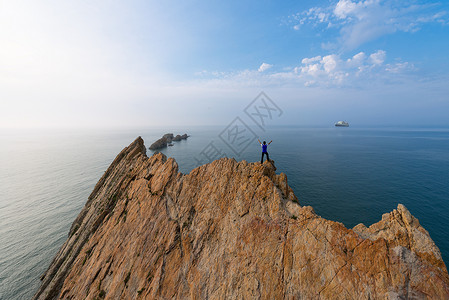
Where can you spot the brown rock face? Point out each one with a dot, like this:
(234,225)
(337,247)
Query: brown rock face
(231,230)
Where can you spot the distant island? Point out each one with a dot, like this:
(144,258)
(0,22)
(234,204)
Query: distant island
(166,140)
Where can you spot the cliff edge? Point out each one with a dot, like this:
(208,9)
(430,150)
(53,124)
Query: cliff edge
(231,230)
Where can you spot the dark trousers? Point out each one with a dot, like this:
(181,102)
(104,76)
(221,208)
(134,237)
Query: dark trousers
(268,158)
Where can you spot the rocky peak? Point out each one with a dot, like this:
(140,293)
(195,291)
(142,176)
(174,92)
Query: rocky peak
(231,229)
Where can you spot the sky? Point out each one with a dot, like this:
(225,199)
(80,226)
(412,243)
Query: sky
(70,64)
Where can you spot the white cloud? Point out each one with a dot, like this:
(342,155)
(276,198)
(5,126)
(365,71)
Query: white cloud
(313,70)
(378,57)
(264,66)
(357,60)
(362,21)
(330,63)
(313,15)
(345,8)
(355,71)
(440,17)
(400,67)
(333,70)
(311,60)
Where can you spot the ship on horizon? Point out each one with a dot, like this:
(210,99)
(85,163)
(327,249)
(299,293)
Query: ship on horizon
(342,124)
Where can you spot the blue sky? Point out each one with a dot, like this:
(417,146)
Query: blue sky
(144,63)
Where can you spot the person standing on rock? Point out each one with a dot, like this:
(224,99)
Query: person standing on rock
(264,150)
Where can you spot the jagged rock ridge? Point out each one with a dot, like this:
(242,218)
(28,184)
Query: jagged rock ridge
(231,230)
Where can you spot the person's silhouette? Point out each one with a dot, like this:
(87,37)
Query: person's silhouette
(264,150)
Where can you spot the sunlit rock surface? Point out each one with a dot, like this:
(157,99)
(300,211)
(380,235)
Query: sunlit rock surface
(231,230)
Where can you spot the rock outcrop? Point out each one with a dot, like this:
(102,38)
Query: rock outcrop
(180,137)
(166,139)
(231,230)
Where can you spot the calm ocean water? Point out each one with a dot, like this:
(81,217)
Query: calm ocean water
(348,175)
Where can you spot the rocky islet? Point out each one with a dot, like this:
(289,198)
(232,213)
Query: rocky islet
(166,139)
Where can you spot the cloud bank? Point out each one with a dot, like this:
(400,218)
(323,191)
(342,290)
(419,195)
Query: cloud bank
(361,70)
(359,22)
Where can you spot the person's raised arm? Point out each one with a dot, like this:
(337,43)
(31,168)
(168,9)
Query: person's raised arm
(259,141)
(270,142)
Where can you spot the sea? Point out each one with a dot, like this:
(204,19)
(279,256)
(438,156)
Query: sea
(350,175)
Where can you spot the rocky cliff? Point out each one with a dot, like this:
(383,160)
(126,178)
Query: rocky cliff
(231,230)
